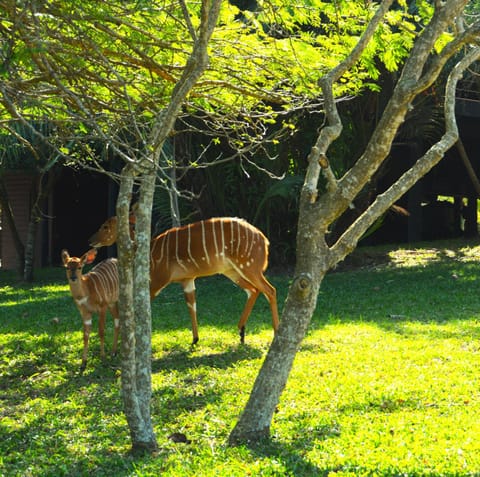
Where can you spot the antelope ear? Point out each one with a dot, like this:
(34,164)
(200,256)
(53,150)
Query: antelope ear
(65,257)
(89,256)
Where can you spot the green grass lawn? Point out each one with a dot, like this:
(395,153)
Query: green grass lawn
(386,383)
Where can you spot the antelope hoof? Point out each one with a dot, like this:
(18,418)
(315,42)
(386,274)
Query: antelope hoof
(242,334)
(195,341)
(82,368)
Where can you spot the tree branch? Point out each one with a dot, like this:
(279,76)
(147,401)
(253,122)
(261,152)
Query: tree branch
(188,20)
(406,89)
(317,157)
(349,239)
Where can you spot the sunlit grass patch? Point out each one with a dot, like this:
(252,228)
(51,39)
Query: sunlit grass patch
(385,383)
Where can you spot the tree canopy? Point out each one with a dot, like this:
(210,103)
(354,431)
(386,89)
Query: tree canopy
(103,71)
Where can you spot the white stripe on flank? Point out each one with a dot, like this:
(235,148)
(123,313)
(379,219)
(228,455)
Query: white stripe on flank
(214,238)
(231,236)
(167,249)
(249,253)
(177,257)
(238,238)
(190,246)
(222,253)
(207,257)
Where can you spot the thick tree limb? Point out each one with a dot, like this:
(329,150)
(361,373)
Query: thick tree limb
(406,89)
(349,239)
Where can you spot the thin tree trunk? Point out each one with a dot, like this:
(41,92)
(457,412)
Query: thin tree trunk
(173,195)
(136,392)
(30,248)
(143,330)
(36,191)
(41,192)
(9,219)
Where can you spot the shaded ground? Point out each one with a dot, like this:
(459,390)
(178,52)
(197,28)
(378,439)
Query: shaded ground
(399,255)
(406,255)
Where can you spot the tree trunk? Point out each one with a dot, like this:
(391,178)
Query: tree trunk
(135,318)
(30,247)
(40,191)
(134,259)
(173,196)
(314,257)
(9,219)
(255,421)
(35,215)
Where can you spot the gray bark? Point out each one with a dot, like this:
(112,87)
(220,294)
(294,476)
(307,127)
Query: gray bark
(314,257)
(134,259)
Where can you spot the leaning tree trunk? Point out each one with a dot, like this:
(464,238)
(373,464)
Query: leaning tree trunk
(255,421)
(314,257)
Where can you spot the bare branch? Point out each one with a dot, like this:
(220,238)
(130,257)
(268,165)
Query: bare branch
(188,20)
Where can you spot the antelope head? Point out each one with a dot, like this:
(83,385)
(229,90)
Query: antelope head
(107,233)
(74,265)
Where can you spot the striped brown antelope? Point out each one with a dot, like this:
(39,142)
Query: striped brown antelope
(93,292)
(229,246)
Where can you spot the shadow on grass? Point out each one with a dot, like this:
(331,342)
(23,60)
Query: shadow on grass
(289,456)
(52,397)
(436,293)
(183,359)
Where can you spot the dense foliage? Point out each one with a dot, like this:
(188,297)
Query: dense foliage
(104,71)
(83,83)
